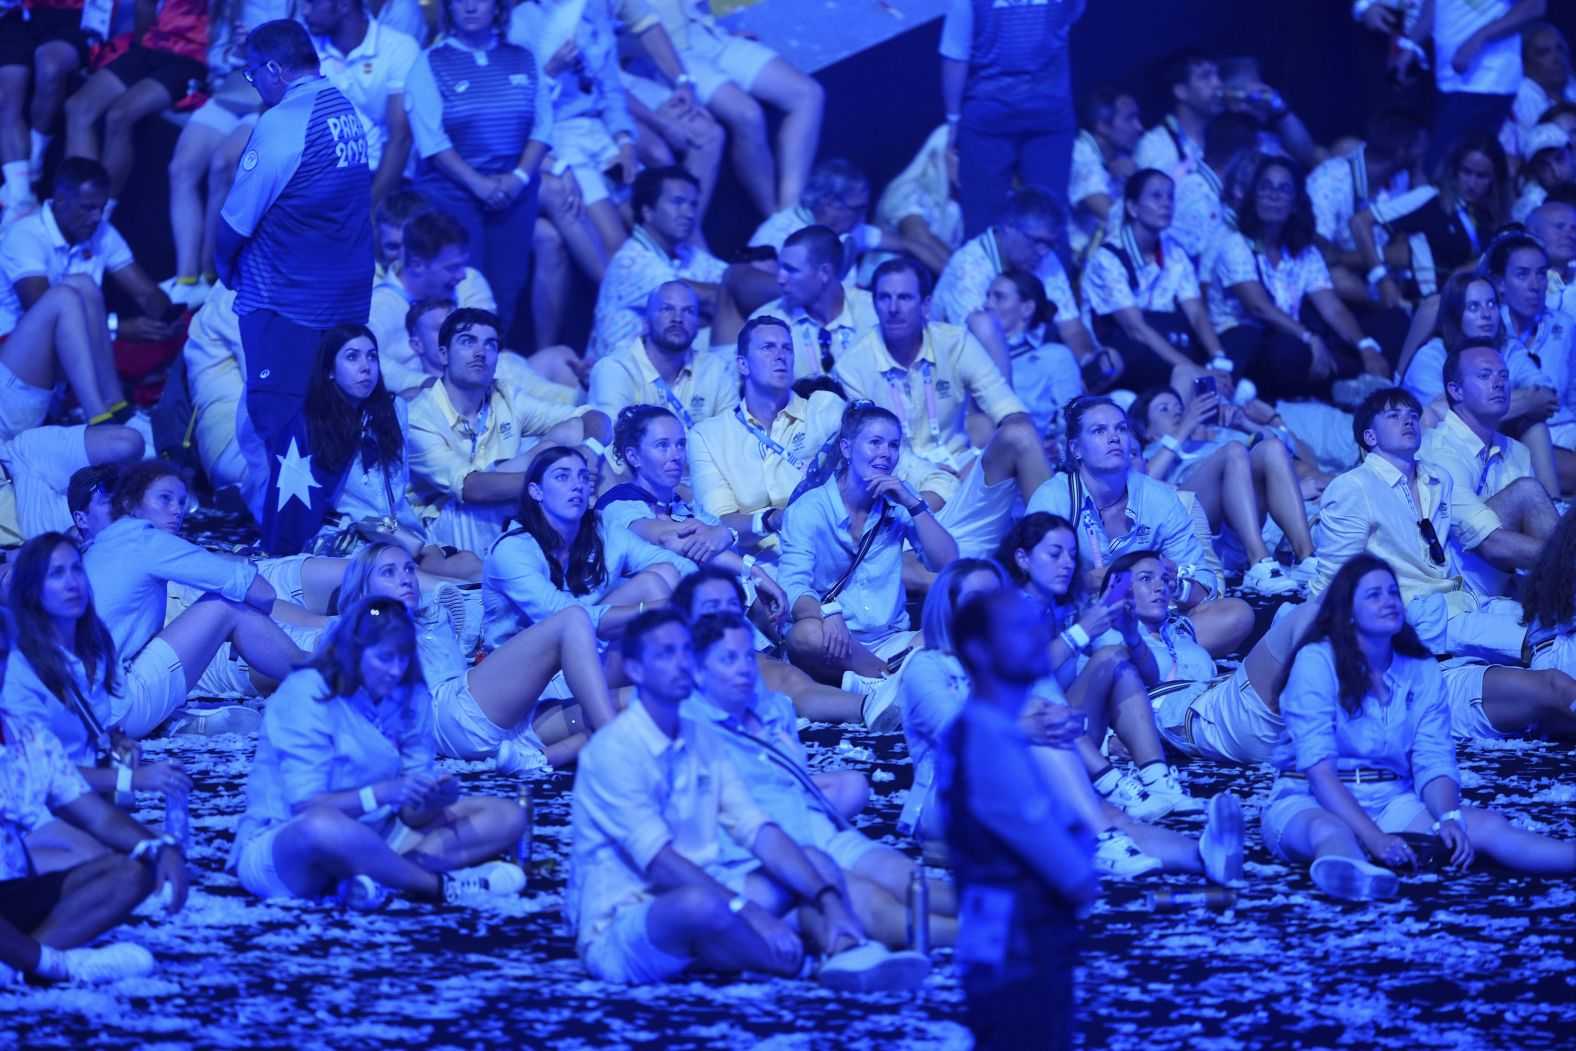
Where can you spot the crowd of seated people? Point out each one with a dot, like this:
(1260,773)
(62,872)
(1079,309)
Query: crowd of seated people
(1259,432)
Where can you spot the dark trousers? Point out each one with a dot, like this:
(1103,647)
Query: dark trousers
(988,159)
(500,240)
(1142,368)
(281,356)
(1024,1007)
(1280,365)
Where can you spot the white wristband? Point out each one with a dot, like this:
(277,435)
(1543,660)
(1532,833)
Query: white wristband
(596,447)
(523,175)
(112,322)
(369,800)
(1369,343)
(830,609)
(683,79)
(1169,442)
(1378,274)
(1077,636)
(1454,815)
(122,779)
(749,564)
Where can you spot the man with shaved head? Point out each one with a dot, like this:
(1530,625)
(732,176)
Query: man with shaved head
(661,366)
(1554,223)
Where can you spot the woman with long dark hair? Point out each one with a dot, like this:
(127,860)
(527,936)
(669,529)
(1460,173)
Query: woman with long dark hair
(495,709)
(1367,754)
(559,556)
(1264,272)
(343,795)
(1444,226)
(357,430)
(1045,372)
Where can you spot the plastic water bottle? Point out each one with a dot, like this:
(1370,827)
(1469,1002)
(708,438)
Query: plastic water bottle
(125,763)
(918,911)
(522,848)
(1167,900)
(177,820)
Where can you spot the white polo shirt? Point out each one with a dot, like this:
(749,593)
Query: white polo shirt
(733,470)
(35,247)
(1477,471)
(373,72)
(857,317)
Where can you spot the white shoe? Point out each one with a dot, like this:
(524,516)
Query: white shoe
(882,713)
(1116,855)
(1303,572)
(109,963)
(1124,792)
(1352,880)
(1168,787)
(499,879)
(1266,578)
(361,893)
(1220,848)
(520,753)
(222,719)
(873,968)
(464,606)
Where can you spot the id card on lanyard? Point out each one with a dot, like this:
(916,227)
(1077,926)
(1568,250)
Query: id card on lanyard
(97,16)
(897,385)
(673,402)
(768,443)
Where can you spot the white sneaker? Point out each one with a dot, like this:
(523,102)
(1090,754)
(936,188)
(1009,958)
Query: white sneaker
(1167,786)
(1266,578)
(1116,855)
(215,720)
(109,963)
(1352,880)
(142,423)
(881,712)
(1124,792)
(520,753)
(1220,848)
(1303,572)
(500,879)
(873,968)
(464,606)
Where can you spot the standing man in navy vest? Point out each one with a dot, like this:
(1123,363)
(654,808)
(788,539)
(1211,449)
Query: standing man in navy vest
(296,244)
(1006,80)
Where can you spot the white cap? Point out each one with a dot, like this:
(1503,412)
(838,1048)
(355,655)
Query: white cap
(1544,137)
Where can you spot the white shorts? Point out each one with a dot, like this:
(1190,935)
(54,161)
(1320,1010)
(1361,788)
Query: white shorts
(887,645)
(1393,805)
(1558,653)
(979,515)
(155,687)
(1563,435)
(1324,429)
(255,867)
(461,728)
(1492,631)
(40,462)
(586,145)
(215,432)
(1223,720)
(285,575)
(846,846)
(1464,691)
(221,118)
(715,57)
(624,953)
(22,405)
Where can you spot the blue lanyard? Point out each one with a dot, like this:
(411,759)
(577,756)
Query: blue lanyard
(1489,454)
(480,429)
(1469,228)
(674,403)
(769,443)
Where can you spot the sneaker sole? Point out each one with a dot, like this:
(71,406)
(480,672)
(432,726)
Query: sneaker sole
(1350,880)
(894,974)
(1221,847)
(232,719)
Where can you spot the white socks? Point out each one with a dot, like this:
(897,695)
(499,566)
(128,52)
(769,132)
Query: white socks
(18,181)
(40,147)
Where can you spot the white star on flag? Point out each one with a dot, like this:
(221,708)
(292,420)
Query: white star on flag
(295,477)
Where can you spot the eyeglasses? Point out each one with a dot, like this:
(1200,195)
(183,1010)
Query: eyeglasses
(1436,551)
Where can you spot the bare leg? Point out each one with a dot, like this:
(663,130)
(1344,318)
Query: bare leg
(470,831)
(609,226)
(59,844)
(143,99)
(696,922)
(1230,489)
(1319,833)
(1513,847)
(802,101)
(112,443)
(54,64)
(509,682)
(751,154)
(1016,452)
(195,636)
(102,353)
(806,649)
(320,847)
(813,700)
(550,282)
(1514,698)
(1176,852)
(53,338)
(83,110)
(95,898)
(188,171)
(1222,624)
(1538,442)
(1524,507)
(221,174)
(1282,495)
(15,144)
(320,578)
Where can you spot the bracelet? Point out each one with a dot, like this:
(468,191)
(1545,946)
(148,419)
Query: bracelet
(1076,636)
(369,799)
(559,166)
(830,609)
(151,847)
(122,779)
(1169,442)
(922,508)
(683,79)
(596,447)
(1378,274)
(523,175)
(641,608)
(749,564)
(112,322)
(1306,336)
(1369,343)
(1454,815)
(758,522)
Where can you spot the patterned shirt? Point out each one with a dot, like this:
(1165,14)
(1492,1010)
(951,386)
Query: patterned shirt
(36,779)
(636,270)
(1119,276)
(1088,178)
(1286,282)
(962,286)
